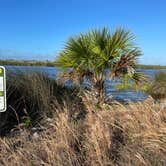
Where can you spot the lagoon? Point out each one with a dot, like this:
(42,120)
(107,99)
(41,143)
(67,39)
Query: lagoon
(127,95)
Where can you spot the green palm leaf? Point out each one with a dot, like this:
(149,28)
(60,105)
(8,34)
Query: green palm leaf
(90,54)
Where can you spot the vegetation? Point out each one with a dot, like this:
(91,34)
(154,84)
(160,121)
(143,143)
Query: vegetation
(109,135)
(90,55)
(52,64)
(157,89)
(26,63)
(47,123)
(140,66)
(30,96)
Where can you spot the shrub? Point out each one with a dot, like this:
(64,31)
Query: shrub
(158,87)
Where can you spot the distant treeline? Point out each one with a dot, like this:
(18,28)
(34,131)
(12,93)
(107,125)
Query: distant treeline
(26,63)
(140,66)
(51,63)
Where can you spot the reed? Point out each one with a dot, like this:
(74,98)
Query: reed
(30,95)
(72,128)
(133,134)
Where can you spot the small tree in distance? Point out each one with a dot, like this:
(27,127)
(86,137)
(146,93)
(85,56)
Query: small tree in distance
(89,55)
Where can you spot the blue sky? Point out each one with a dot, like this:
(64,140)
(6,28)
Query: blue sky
(38,29)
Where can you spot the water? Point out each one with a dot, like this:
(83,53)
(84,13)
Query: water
(127,95)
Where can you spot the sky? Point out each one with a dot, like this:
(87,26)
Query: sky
(38,29)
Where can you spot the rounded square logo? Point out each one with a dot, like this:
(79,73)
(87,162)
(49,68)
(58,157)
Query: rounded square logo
(2,89)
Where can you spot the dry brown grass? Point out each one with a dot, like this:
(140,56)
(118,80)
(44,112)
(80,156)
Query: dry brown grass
(117,134)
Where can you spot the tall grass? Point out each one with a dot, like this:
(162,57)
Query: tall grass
(30,96)
(79,130)
(109,135)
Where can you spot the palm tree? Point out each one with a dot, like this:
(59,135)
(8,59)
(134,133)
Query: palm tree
(89,55)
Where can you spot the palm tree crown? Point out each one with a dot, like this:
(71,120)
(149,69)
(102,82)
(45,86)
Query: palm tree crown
(90,54)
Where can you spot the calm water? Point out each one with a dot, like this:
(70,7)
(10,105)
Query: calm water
(127,95)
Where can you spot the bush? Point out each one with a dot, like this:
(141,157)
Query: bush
(158,87)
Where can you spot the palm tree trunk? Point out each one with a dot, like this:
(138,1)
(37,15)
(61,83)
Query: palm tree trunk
(99,89)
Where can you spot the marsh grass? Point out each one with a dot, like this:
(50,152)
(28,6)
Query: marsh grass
(80,131)
(30,96)
(134,134)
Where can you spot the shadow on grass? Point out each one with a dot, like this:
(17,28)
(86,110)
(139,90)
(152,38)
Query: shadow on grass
(32,96)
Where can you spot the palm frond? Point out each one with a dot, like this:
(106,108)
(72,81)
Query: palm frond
(77,76)
(126,64)
(121,40)
(94,52)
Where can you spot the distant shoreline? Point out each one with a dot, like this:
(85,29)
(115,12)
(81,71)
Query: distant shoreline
(141,66)
(52,64)
(27,63)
